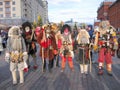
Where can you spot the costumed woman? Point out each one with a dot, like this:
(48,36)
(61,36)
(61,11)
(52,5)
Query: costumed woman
(30,41)
(16,53)
(66,49)
(107,43)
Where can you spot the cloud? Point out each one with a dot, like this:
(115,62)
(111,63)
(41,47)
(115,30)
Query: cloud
(57,2)
(78,10)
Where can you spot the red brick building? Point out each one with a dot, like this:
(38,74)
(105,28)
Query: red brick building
(103,10)
(110,10)
(114,14)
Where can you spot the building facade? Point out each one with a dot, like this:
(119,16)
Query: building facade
(103,10)
(15,12)
(114,14)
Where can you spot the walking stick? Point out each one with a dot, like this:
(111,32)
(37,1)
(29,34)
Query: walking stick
(90,57)
(42,59)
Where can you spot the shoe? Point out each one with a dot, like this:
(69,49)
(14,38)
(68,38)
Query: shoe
(21,82)
(62,70)
(100,72)
(44,70)
(28,66)
(109,73)
(72,70)
(35,67)
(14,82)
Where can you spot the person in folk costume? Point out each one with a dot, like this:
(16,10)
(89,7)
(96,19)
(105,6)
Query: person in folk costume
(83,49)
(107,43)
(16,53)
(66,49)
(48,46)
(29,36)
(55,29)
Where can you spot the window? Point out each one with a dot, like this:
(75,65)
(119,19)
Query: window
(14,15)
(1,3)
(13,8)
(7,3)
(1,15)
(1,9)
(13,3)
(7,15)
(7,9)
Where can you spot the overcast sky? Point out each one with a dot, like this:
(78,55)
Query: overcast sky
(79,10)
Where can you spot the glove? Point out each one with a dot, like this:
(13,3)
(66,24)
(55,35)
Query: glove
(7,57)
(95,47)
(25,56)
(55,52)
(25,67)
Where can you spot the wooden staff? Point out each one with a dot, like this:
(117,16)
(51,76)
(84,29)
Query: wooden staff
(43,59)
(90,57)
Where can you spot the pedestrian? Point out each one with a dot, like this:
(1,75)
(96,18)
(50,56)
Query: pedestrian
(16,53)
(66,49)
(1,46)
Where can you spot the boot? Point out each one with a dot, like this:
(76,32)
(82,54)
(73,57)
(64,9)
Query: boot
(109,69)
(44,66)
(100,72)
(14,77)
(21,76)
(50,65)
(81,68)
(86,69)
(57,61)
(100,69)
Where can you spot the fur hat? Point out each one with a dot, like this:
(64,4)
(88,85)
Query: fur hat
(64,27)
(14,30)
(54,27)
(26,24)
(104,24)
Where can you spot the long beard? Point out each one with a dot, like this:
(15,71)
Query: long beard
(16,43)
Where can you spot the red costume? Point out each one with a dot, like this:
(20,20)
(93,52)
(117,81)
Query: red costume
(106,41)
(48,46)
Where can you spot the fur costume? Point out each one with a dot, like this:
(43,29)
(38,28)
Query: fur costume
(16,53)
(83,50)
(48,46)
(29,36)
(66,49)
(106,41)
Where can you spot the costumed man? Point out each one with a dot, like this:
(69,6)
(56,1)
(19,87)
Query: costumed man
(66,49)
(48,46)
(107,43)
(55,29)
(83,49)
(16,53)
(29,36)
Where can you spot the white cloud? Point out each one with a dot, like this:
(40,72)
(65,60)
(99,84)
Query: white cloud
(56,2)
(79,10)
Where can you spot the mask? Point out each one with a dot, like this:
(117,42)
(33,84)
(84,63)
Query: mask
(27,29)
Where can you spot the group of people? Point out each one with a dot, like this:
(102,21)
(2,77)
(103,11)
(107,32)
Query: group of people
(55,42)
